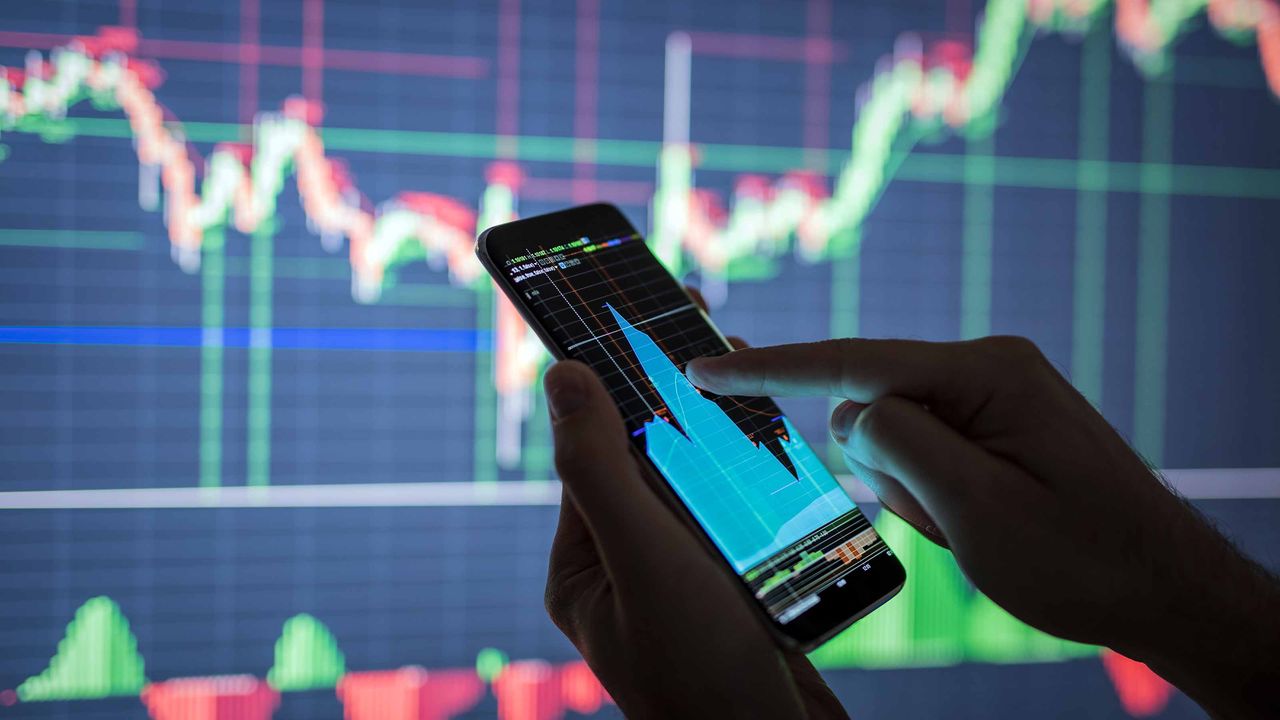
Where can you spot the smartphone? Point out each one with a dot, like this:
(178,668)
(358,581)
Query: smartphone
(734,467)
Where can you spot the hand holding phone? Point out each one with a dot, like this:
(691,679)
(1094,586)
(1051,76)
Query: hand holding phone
(662,627)
(1046,507)
(734,468)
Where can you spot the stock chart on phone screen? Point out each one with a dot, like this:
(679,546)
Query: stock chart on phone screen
(738,465)
(273,447)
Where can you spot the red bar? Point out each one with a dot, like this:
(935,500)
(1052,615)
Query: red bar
(227,697)
(766,47)
(817,81)
(129,13)
(508,121)
(313,50)
(249,55)
(586,76)
(535,690)
(409,693)
(1142,692)
(34,40)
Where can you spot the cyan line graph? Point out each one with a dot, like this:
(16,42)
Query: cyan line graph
(750,504)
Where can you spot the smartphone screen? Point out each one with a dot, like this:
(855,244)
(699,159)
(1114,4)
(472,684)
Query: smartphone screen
(595,292)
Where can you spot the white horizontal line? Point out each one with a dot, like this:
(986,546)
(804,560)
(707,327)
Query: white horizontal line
(659,316)
(1226,483)
(423,494)
(1196,484)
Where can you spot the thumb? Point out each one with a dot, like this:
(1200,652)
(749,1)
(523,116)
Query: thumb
(594,461)
(951,477)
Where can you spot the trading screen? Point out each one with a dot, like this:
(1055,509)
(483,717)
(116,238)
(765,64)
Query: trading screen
(754,485)
(272,446)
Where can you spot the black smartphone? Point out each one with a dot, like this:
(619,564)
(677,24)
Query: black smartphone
(734,467)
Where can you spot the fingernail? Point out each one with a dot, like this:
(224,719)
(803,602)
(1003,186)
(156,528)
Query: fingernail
(564,393)
(842,420)
(938,537)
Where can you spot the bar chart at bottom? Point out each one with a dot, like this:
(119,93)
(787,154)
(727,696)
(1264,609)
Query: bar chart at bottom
(389,618)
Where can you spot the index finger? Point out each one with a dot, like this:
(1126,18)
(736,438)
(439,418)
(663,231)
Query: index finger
(860,370)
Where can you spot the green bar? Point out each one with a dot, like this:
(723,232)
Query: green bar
(529,147)
(307,656)
(641,153)
(1151,352)
(1052,173)
(507,147)
(485,465)
(76,239)
(261,279)
(212,320)
(976,239)
(97,658)
(1113,176)
(1212,181)
(1090,272)
(409,142)
(99,127)
(119,128)
(846,277)
(937,619)
(757,158)
(846,298)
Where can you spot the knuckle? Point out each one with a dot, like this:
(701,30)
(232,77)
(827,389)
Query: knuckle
(871,426)
(765,380)
(840,355)
(1014,349)
(844,363)
(1018,361)
(873,418)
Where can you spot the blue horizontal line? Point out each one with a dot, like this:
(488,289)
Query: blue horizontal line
(290,338)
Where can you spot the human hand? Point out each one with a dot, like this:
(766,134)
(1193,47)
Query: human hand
(653,614)
(987,449)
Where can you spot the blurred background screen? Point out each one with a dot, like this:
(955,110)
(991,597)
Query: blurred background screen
(271,446)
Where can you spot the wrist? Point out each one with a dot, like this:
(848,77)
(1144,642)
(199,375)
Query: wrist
(1218,640)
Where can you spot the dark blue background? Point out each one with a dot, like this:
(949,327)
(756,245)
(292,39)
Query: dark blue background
(207,590)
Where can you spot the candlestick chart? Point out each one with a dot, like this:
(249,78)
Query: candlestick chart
(271,446)
(915,95)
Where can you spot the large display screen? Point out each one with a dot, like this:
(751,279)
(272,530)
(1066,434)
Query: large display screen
(272,445)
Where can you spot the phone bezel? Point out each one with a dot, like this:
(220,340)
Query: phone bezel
(597,220)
